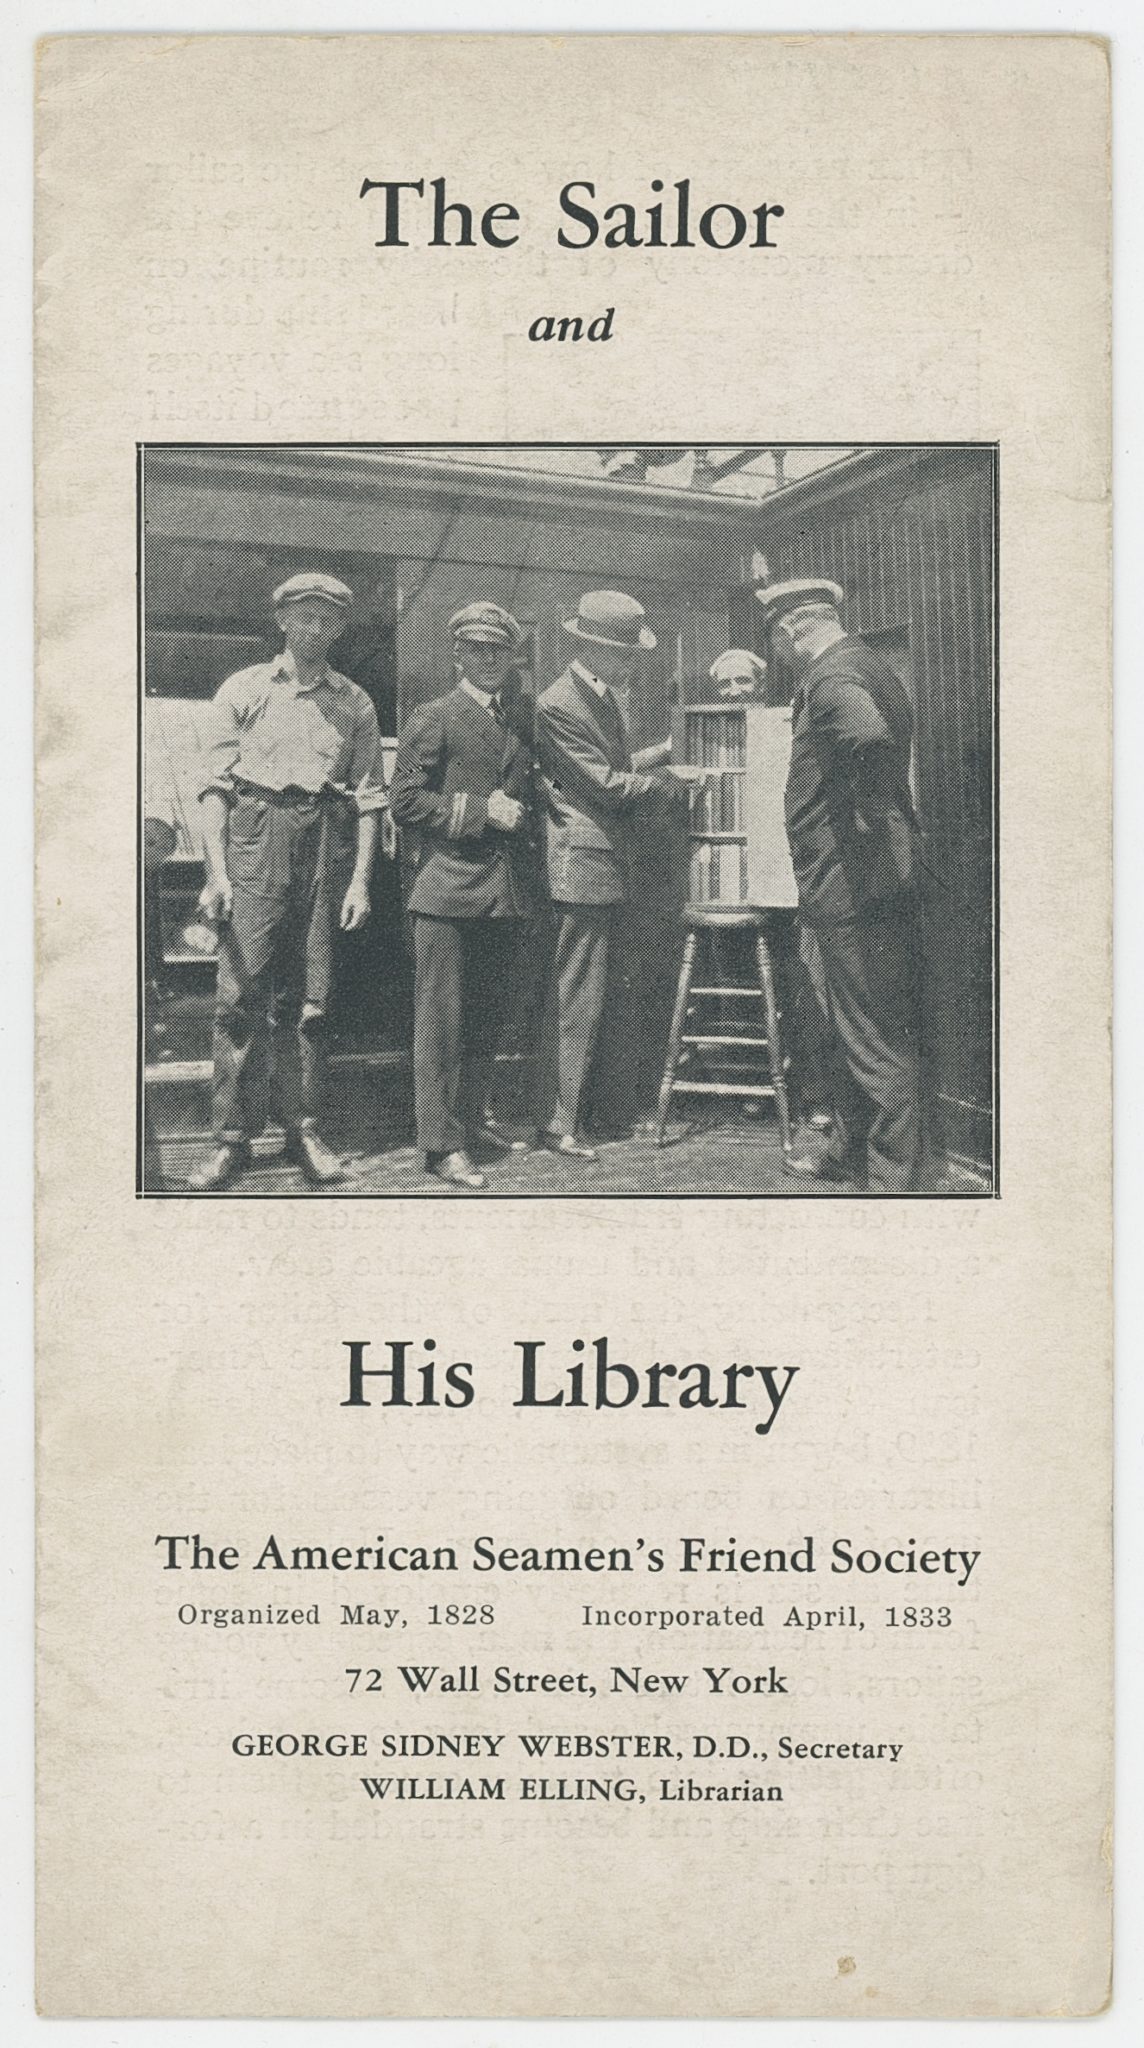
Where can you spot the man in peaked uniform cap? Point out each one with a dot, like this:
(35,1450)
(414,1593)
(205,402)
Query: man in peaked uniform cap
(595,795)
(292,794)
(855,849)
(463,787)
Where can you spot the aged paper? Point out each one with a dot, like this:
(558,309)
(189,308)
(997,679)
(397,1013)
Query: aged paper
(574,1402)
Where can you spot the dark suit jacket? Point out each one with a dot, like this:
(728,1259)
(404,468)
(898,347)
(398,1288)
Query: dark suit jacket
(593,795)
(451,755)
(849,813)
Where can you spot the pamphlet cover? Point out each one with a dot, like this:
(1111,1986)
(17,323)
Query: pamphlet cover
(573,927)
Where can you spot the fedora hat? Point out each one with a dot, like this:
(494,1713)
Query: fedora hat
(610,619)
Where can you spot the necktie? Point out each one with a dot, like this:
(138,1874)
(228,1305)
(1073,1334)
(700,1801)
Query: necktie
(613,718)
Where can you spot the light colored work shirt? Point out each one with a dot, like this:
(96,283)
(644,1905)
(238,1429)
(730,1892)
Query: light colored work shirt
(268,728)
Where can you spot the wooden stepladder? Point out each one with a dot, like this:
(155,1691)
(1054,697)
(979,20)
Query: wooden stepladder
(725,1031)
(725,1035)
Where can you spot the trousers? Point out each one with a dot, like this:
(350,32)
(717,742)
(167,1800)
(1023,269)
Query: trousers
(463,974)
(573,1012)
(866,976)
(288,866)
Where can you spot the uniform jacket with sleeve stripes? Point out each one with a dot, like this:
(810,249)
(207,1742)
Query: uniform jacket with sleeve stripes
(452,754)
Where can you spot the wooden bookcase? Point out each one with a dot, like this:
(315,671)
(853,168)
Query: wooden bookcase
(739,850)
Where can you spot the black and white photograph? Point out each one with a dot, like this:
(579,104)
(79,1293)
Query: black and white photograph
(568,820)
(655,1563)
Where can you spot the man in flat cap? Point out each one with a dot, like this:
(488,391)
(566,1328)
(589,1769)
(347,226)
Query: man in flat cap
(595,797)
(463,789)
(738,675)
(292,796)
(855,849)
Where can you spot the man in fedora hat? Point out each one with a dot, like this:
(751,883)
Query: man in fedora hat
(292,794)
(595,796)
(463,789)
(855,847)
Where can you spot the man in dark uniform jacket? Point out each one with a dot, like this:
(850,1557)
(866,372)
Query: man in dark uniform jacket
(463,788)
(855,849)
(595,795)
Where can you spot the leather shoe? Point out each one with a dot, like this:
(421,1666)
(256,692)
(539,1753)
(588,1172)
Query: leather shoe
(803,1166)
(457,1169)
(306,1149)
(565,1146)
(491,1133)
(224,1166)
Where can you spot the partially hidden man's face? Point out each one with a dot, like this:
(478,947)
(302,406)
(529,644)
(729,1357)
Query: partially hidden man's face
(486,664)
(310,627)
(612,665)
(782,643)
(793,636)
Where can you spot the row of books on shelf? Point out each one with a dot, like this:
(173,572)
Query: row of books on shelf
(718,873)
(716,739)
(717,805)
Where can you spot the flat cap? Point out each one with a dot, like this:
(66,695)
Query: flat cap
(738,664)
(311,583)
(779,598)
(611,619)
(488,622)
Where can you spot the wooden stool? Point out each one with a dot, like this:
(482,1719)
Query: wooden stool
(704,923)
